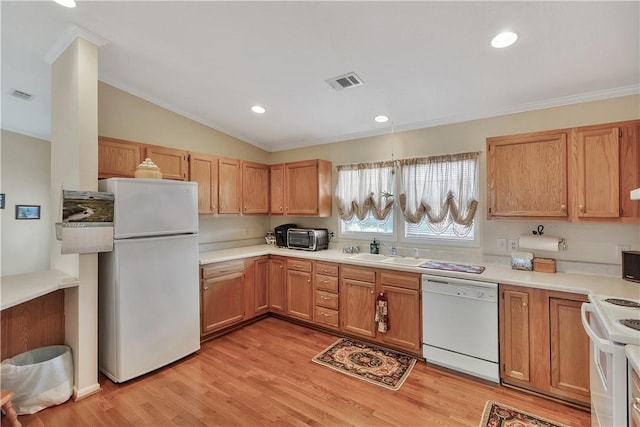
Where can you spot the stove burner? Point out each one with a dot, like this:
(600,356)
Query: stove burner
(631,323)
(623,302)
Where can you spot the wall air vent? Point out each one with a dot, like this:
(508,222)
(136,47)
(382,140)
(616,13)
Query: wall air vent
(21,94)
(345,81)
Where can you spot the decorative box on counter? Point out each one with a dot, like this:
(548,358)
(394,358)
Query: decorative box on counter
(522,261)
(544,265)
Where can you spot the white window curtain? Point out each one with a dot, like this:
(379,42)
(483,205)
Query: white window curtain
(440,190)
(365,188)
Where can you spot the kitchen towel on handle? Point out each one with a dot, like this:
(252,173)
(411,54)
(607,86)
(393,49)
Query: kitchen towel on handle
(540,243)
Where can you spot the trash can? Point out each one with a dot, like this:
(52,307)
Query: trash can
(38,378)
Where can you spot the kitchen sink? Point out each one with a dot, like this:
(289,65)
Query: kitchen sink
(412,262)
(369,257)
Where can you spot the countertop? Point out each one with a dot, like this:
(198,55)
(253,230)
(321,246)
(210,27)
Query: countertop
(20,288)
(567,282)
(633,355)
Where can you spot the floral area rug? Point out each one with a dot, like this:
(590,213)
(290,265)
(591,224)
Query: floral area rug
(498,415)
(376,365)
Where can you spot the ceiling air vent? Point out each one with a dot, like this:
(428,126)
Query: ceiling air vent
(21,94)
(345,81)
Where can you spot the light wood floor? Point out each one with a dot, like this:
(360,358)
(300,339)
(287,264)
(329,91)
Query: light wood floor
(262,375)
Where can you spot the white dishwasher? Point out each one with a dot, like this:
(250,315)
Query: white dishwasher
(460,325)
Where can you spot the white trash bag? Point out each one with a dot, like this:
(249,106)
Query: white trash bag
(38,378)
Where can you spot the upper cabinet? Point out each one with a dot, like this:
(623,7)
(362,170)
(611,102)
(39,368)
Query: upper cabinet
(203,169)
(229,186)
(527,175)
(255,188)
(579,174)
(117,158)
(307,188)
(172,163)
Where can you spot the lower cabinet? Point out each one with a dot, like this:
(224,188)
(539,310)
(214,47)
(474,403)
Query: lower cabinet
(276,284)
(326,298)
(543,347)
(358,301)
(222,295)
(299,296)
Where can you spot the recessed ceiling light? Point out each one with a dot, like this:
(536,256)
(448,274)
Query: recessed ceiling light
(258,109)
(504,39)
(381,119)
(66,3)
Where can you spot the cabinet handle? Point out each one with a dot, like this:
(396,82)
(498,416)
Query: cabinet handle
(323,297)
(308,280)
(636,404)
(581,208)
(206,288)
(371,292)
(325,281)
(324,314)
(563,207)
(524,304)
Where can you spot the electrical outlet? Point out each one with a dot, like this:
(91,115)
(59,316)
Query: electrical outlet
(513,245)
(501,245)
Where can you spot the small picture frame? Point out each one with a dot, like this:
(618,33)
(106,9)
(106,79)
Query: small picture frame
(1,200)
(27,211)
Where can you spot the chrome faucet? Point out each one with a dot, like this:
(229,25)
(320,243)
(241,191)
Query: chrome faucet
(392,249)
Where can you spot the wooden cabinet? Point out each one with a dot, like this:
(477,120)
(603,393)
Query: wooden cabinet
(543,347)
(173,163)
(229,186)
(326,298)
(299,296)
(258,285)
(277,189)
(203,169)
(307,188)
(255,188)
(527,175)
(118,158)
(358,301)
(276,284)
(222,295)
(403,305)
(634,397)
(578,174)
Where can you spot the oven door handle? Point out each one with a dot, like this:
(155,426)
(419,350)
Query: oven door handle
(602,344)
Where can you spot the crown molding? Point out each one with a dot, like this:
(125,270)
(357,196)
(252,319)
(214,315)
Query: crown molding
(74,32)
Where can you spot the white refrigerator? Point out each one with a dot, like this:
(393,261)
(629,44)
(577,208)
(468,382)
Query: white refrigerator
(148,290)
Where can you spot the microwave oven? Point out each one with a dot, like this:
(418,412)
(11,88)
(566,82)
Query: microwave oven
(631,265)
(308,239)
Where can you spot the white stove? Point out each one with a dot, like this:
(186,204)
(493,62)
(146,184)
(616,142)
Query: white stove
(618,317)
(612,323)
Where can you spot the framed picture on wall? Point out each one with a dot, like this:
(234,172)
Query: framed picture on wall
(27,211)
(1,200)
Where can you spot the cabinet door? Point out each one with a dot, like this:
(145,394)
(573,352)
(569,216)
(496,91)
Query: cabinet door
(222,302)
(260,279)
(629,170)
(357,307)
(203,169)
(569,345)
(277,189)
(299,295)
(172,163)
(514,336)
(598,172)
(118,158)
(255,188)
(275,292)
(229,186)
(527,175)
(301,188)
(404,318)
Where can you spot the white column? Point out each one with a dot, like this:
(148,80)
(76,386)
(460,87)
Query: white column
(74,166)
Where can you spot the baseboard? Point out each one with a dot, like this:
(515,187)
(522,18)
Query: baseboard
(79,394)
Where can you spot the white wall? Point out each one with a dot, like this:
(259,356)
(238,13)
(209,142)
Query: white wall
(24,179)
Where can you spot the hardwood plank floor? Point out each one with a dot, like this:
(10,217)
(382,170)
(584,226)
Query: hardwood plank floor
(262,375)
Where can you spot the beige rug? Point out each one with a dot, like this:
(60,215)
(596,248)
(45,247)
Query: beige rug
(498,415)
(377,365)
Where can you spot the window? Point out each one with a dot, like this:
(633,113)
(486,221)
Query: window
(364,198)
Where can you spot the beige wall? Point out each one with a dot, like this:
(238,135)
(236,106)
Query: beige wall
(25,180)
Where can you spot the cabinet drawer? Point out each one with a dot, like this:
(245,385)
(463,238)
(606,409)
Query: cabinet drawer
(327,269)
(361,274)
(326,283)
(400,280)
(325,316)
(222,269)
(298,264)
(326,299)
